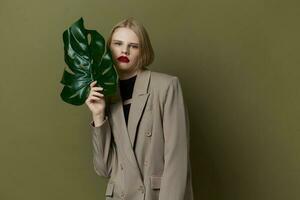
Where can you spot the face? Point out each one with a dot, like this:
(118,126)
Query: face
(125,50)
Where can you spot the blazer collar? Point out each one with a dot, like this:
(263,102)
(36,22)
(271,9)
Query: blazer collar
(140,86)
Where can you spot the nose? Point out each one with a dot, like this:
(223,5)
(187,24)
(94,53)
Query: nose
(125,50)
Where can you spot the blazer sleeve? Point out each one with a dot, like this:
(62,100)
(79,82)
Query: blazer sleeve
(103,147)
(176,150)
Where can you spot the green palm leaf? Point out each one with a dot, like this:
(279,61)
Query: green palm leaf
(87,61)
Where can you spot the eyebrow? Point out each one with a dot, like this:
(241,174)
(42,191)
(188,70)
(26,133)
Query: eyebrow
(129,43)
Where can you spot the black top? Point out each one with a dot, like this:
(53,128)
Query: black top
(126,90)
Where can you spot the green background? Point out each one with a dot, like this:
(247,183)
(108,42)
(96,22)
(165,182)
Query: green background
(238,63)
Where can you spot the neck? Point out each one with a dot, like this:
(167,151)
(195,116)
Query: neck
(124,75)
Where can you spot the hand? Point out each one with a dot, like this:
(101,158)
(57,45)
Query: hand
(96,100)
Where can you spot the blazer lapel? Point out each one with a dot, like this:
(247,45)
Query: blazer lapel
(139,98)
(126,136)
(120,130)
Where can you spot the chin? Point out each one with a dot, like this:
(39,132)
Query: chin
(124,66)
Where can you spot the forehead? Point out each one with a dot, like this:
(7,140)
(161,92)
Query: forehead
(125,34)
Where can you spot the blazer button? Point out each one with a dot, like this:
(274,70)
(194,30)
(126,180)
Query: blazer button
(148,133)
(122,195)
(146,163)
(141,189)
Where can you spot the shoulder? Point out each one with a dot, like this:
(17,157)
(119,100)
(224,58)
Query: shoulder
(162,80)
(165,87)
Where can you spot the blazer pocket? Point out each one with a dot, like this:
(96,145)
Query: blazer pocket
(155,182)
(109,189)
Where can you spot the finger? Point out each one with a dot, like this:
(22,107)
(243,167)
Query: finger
(98,94)
(97,88)
(93,98)
(93,83)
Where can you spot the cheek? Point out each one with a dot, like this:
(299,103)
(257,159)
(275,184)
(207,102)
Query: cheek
(136,55)
(114,52)
(113,47)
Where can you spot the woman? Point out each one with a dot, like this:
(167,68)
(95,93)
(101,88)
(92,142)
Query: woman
(141,138)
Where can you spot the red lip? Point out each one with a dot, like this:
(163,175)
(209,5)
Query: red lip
(123,59)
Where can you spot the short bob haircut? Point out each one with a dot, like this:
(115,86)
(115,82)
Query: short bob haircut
(146,50)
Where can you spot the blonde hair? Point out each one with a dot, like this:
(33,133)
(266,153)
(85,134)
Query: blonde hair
(146,51)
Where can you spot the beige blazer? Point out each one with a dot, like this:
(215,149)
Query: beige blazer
(149,160)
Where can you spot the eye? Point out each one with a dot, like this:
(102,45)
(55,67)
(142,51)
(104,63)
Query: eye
(117,43)
(134,46)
